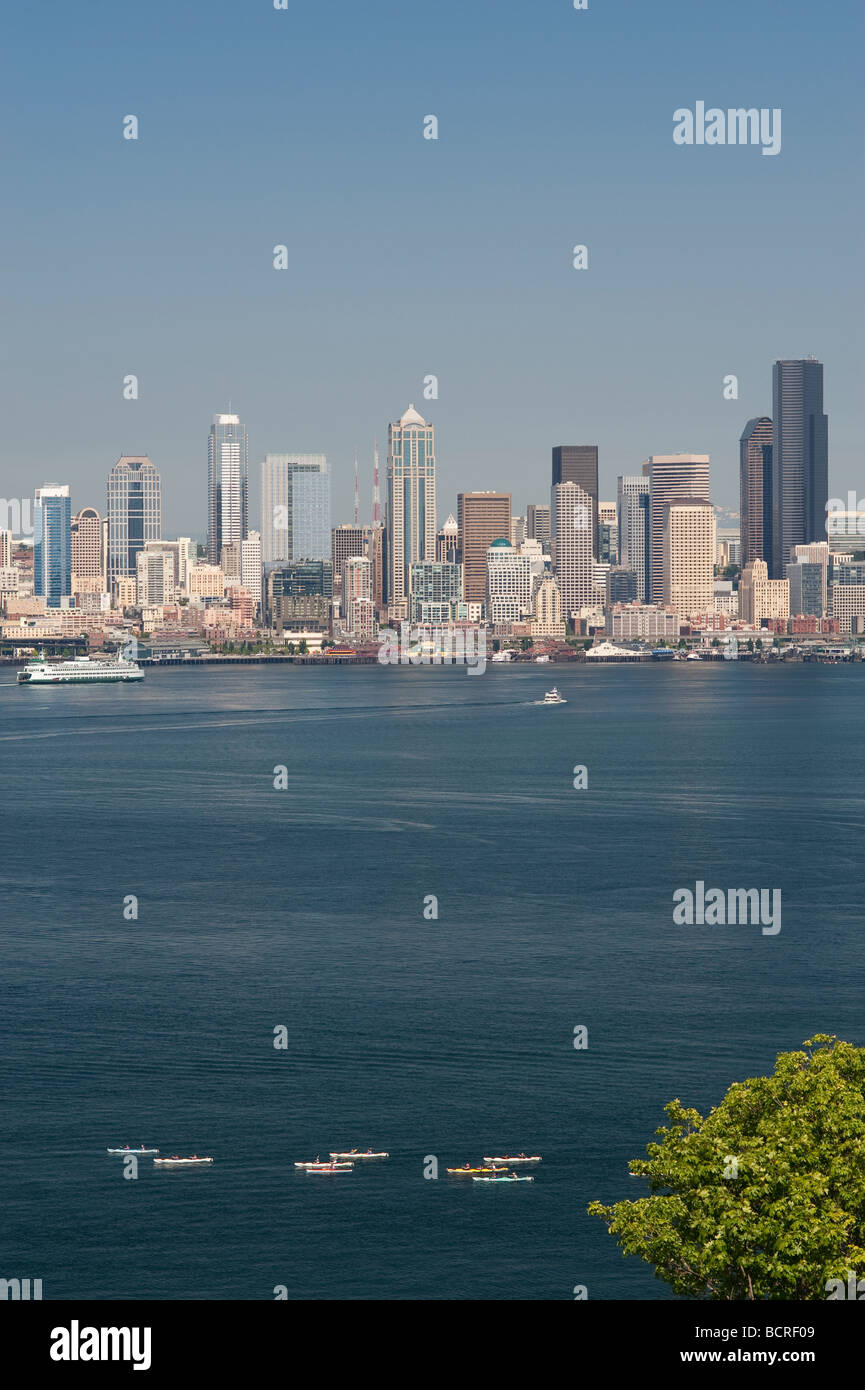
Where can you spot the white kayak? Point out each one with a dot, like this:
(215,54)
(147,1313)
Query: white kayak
(127,1150)
(511,1177)
(359,1153)
(329,1168)
(511,1158)
(317,1165)
(181,1162)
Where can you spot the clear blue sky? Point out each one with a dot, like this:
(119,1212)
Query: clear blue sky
(410,256)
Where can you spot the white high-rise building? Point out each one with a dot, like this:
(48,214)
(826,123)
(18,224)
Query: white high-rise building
(672,478)
(572,526)
(547,620)
(227,484)
(411,501)
(88,536)
(632,509)
(509,583)
(251,566)
(155,575)
(689,557)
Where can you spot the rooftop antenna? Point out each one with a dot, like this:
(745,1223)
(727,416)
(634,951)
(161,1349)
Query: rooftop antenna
(376,496)
(356,513)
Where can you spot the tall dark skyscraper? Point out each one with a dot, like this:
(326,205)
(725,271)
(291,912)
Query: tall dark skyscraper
(755,490)
(578,463)
(800,459)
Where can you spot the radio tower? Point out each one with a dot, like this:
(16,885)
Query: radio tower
(376,496)
(355,489)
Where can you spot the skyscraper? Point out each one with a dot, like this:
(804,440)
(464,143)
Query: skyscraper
(571,514)
(538,524)
(632,508)
(134,513)
(800,458)
(227,484)
(295,508)
(578,463)
(88,536)
(52,570)
(411,501)
(482,517)
(672,478)
(755,490)
(689,557)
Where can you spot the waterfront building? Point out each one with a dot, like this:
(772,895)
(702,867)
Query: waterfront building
(761,597)
(52,567)
(646,621)
(482,517)
(361,620)
(227,484)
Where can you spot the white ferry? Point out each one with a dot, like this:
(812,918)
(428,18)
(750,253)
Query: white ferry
(552,697)
(81,670)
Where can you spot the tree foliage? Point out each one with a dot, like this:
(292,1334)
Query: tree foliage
(765,1197)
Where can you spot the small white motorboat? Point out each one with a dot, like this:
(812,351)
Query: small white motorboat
(127,1150)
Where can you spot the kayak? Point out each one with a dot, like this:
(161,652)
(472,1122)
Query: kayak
(469,1172)
(181,1162)
(512,1178)
(356,1153)
(510,1158)
(127,1150)
(321,1167)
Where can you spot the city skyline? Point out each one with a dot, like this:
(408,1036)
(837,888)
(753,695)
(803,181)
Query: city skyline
(631,353)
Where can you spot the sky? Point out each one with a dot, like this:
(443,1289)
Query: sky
(410,257)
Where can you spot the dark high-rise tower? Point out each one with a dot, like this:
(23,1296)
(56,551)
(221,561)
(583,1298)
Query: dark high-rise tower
(755,490)
(578,463)
(800,459)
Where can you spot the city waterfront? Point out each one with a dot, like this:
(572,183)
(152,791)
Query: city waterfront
(304,907)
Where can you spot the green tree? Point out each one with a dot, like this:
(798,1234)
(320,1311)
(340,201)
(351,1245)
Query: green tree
(765,1197)
(303,648)
(526,643)
(716,642)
